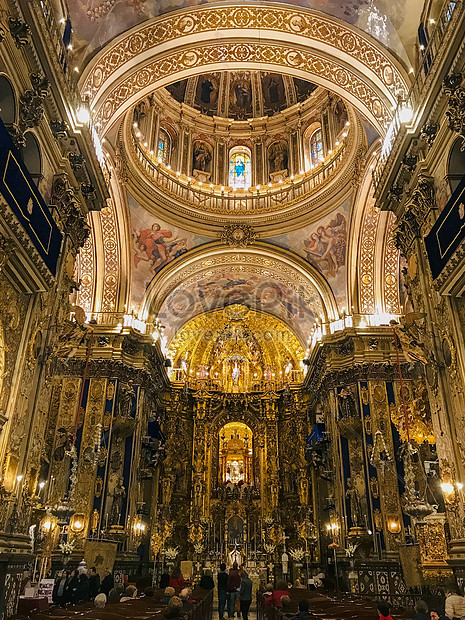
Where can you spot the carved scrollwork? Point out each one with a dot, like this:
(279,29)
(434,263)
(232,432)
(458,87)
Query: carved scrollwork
(20,31)
(238,235)
(63,197)
(455,112)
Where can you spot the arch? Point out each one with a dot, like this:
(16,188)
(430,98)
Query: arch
(169,295)
(240,167)
(32,156)
(456,164)
(301,42)
(7,101)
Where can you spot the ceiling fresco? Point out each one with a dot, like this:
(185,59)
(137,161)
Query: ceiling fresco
(96,22)
(323,245)
(252,287)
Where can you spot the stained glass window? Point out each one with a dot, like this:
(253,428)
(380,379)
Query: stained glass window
(316,148)
(240,171)
(164,146)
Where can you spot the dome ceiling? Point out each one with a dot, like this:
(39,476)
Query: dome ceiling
(241,94)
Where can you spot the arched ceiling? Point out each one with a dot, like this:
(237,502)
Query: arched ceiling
(299,43)
(392,22)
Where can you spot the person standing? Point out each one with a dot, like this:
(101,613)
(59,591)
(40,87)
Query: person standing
(222,589)
(94,582)
(108,583)
(245,595)
(234,583)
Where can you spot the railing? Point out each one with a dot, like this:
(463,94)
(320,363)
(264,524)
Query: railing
(293,377)
(119,320)
(409,106)
(226,200)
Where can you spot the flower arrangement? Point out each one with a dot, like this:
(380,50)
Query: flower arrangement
(198,547)
(269,548)
(171,553)
(297,554)
(67,547)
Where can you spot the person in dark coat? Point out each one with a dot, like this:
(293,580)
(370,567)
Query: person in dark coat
(59,589)
(206,581)
(421,610)
(94,582)
(234,583)
(382,608)
(222,589)
(245,595)
(108,583)
(82,594)
(302,614)
(70,588)
(164,581)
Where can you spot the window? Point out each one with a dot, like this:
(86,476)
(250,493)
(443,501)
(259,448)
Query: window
(240,171)
(7,101)
(164,146)
(32,157)
(316,148)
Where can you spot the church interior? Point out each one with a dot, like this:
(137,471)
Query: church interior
(232,278)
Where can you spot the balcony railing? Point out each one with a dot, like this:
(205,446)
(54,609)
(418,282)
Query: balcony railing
(407,109)
(225,200)
(292,378)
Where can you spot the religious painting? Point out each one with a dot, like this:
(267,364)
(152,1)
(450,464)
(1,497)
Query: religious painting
(235,530)
(155,244)
(240,169)
(303,89)
(177,90)
(340,116)
(326,246)
(206,96)
(226,286)
(240,97)
(274,95)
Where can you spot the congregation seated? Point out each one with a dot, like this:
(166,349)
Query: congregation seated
(275,599)
(303,613)
(174,608)
(177,580)
(100,600)
(129,594)
(149,592)
(286,603)
(169,593)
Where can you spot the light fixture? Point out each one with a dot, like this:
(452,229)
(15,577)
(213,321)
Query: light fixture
(411,70)
(77,523)
(405,114)
(447,487)
(432,21)
(70,47)
(19,478)
(83,115)
(41,485)
(422,47)
(459,485)
(393,526)
(76,69)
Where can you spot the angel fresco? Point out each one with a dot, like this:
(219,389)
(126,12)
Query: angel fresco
(157,247)
(325,248)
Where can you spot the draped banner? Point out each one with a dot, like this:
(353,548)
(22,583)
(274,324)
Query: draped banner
(26,202)
(448,231)
(100,554)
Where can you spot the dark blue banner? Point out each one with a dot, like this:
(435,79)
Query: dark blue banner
(24,199)
(447,232)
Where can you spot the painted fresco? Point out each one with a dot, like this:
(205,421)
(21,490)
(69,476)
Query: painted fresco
(324,245)
(95,22)
(226,286)
(155,244)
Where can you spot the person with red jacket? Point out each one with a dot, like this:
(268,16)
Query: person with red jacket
(177,580)
(234,583)
(275,599)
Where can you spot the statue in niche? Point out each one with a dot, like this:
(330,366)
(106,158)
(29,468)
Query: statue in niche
(119,493)
(206,90)
(347,404)
(126,394)
(356,510)
(273,91)
(278,157)
(235,374)
(202,157)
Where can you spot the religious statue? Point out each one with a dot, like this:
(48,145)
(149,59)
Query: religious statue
(356,511)
(167,488)
(408,334)
(125,395)
(202,157)
(285,562)
(235,374)
(119,493)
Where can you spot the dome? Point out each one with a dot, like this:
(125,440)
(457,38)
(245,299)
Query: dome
(241,94)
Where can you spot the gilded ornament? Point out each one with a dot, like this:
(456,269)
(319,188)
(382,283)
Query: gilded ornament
(238,235)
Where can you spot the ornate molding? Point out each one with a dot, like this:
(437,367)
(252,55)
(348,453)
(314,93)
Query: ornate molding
(456,104)
(19,31)
(68,207)
(238,235)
